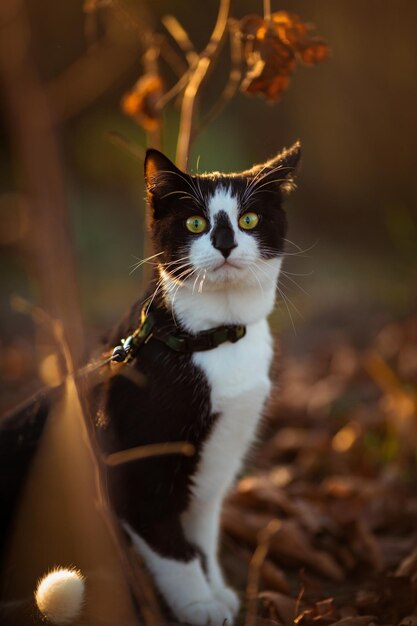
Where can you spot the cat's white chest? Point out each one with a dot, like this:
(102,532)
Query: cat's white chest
(238,375)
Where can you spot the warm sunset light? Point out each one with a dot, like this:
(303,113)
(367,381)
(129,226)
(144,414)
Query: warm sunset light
(208,313)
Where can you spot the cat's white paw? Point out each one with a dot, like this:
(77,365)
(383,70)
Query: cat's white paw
(228,597)
(205,613)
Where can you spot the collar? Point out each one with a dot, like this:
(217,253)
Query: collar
(184,343)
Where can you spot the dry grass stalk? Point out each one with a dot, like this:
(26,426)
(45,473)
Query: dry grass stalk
(145,452)
(254,575)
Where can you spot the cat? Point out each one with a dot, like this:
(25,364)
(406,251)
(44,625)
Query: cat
(219,243)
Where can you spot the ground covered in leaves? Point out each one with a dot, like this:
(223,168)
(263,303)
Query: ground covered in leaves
(324,525)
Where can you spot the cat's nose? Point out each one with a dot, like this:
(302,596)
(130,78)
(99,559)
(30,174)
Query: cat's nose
(224,240)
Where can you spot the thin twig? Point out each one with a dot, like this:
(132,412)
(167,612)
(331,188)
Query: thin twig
(119,140)
(232,84)
(180,35)
(151,67)
(254,574)
(267,10)
(172,57)
(145,452)
(174,91)
(196,79)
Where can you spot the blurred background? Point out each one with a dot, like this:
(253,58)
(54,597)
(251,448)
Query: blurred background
(354,212)
(338,462)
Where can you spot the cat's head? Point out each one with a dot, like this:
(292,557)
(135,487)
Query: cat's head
(228,227)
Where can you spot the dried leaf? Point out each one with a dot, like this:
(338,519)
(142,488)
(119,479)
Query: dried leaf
(271,49)
(141,102)
(408,566)
(409,620)
(280,607)
(363,620)
(290,541)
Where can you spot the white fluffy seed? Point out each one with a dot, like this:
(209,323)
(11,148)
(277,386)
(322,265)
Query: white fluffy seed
(60,595)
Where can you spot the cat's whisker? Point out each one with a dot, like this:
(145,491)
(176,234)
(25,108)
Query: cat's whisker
(296,273)
(293,243)
(256,277)
(294,282)
(264,272)
(291,303)
(190,182)
(200,287)
(175,293)
(250,185)
(266,263)
(200,192)
(284,298)
(195,281)
(176,192)
(300,251)
(157,288)
(141,262)
(163,275)
(184,269)
(184,258)
(149,257)
(268,182)
(254,186)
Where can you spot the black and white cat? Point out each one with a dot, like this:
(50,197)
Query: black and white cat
(219,245)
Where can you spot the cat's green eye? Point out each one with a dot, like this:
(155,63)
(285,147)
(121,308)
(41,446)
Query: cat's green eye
(248,221)
(196,224)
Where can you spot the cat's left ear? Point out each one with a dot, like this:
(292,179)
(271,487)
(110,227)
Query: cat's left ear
(279,171)
(161,173)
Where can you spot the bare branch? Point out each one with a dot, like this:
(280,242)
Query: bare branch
(179,34)
(32,131)
(196,79)
(119,140)
(232,84)
(144,452)
(174,91)
(267,10)
(172,57)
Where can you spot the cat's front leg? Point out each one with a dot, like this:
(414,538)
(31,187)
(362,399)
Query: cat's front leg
(201,526)
(178,573)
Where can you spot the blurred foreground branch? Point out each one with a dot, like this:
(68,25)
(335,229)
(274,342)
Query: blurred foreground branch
(32,134)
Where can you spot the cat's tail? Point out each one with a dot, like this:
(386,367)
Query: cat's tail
(59,595)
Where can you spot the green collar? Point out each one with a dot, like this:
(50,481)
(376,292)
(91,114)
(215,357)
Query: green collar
(179,342)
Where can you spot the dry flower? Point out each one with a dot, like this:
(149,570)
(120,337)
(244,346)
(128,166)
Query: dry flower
(272,48)
(141,102)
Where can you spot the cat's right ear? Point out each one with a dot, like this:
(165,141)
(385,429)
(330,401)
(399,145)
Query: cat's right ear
(161,174)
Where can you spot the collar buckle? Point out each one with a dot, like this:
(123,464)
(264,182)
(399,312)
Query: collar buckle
(234,333)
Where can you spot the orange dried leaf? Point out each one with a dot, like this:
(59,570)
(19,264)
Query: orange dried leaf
(279,606)
(141,103)
(271,49)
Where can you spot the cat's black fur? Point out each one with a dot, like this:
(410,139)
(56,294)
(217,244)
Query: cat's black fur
(168,402)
